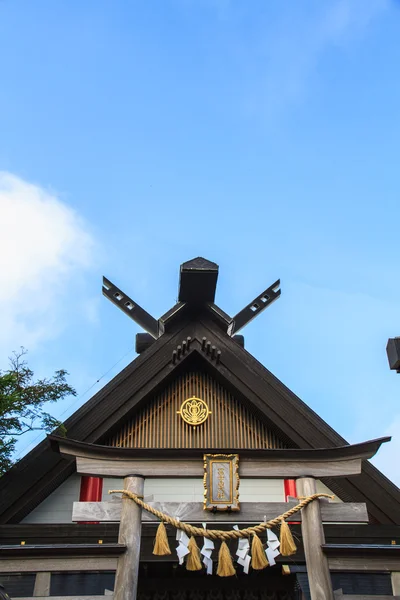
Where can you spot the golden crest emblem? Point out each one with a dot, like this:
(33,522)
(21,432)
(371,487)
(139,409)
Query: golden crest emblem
(194,411)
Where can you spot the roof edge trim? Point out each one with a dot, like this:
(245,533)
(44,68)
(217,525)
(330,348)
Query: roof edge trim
(364,450)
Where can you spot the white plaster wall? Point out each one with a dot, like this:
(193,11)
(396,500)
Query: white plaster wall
(57,508)
(191,490)
(322,489)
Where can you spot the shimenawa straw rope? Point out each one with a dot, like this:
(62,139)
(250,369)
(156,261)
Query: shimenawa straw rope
(217,534)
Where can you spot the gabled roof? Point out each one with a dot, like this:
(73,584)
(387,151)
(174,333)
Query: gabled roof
(194,329)
(41,471)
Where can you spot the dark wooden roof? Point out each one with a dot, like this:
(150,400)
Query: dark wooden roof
(41,471)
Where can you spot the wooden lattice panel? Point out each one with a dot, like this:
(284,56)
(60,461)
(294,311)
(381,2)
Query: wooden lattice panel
(230,424)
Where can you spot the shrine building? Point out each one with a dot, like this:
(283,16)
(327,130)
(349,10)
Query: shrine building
(223,484)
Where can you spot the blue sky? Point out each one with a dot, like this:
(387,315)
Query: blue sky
(261,135)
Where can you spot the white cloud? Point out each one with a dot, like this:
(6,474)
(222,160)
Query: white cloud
(43,243)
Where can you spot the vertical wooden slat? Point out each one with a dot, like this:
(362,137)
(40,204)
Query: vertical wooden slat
(146,422)
(181,423)
(246,426)
(164,419)
(239,430)
(156,427)
(259,441)
(205,430)
(139,432)
(240,412)
(148,432)
(181,442)
(230,425)
(171,420)
(189,429)
(227,422)
(185,395)
(249,432)
(221,405)
(253,432)
(224,439)
(210,400)
(217,427)
(199,431)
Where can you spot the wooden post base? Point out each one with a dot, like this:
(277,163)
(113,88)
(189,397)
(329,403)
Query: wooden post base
(130,528)
(313,537)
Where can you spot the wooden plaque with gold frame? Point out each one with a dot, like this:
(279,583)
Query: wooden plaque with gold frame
(221,482)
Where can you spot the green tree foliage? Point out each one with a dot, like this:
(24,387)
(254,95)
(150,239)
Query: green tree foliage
(21,404)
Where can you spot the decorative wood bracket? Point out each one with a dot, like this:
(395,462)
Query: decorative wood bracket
(181,350)
(210,350)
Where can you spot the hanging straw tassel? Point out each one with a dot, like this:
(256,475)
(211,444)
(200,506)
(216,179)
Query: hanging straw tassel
(287,547)
(225,564)
(161,545)
(258,558)
(193,562)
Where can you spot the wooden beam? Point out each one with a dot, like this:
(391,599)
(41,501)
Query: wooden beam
(340,596)
(42,584)
(35,565)
(130,308)
(254,468)
(396,583)
(64,597)
(35,549)
(255,307)
(360,564)
(250,512)
(75,448)
(313,537)
(126,577)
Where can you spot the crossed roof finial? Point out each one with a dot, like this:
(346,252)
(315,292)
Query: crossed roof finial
(197,287)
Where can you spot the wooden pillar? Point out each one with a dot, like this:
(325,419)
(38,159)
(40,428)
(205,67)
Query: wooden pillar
(396,583)
(42,584)
(313,537)
(91,491)
(290,489)
(130,528)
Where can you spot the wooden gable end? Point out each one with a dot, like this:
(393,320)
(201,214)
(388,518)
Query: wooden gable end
(229,425)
